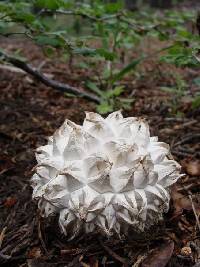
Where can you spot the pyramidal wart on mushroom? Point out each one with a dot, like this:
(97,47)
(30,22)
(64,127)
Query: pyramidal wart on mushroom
(108,175)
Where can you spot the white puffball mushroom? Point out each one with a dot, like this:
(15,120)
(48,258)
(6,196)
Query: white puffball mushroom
(108,174)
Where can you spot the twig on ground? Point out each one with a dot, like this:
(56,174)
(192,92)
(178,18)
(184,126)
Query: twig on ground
(65,88)
(4,257)
(175,119)
(11,68)
(139,261)
(75,262)
(194,211)
(187,138)
(181,154)
(40,237)
(187,124)
(20,71)
(2,235)
(193,206)
(113,254)
(188,187)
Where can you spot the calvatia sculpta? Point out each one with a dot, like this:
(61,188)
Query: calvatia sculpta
(108,174)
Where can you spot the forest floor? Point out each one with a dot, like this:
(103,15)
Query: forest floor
(29,112)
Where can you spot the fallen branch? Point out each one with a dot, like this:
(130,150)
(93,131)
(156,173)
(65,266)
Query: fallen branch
(65,88)
(78,13)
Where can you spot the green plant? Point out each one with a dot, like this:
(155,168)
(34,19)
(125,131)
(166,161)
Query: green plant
(177,92)
(196,98)
(100,37)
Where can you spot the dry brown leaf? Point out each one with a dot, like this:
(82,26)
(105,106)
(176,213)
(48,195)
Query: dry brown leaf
(193,168)
(34,253)
(160,256)
(84,264)
(10,202)
(182,202)
(93,262)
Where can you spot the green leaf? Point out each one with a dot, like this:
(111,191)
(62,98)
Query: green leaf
(126,100)
(113,7)
(54,41)
(180,55)
(106,54)
(49,4)
(126,103)
(48,51)
(197,81)
(92,86)
(83,65)
(128,68)
(104,108)
(118,90)
(4,8)
(24,17)
(168,89)
(196,102)
(85,51)
(185,34)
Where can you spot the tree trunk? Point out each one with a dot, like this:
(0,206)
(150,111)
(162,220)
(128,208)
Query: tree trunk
(161,3)
(131,4)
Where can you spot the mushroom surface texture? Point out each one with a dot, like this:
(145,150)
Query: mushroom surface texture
(108,175)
